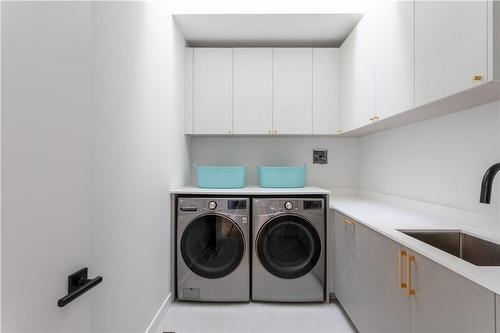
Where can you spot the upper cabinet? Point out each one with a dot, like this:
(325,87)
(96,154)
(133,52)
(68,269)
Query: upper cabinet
(262,91)
(253,91)
(451,47)
(405,61)
(357,76)
(394,58)
(213,91)
(326,90)
(292,90)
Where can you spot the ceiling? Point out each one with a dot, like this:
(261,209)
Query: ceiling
(266,29)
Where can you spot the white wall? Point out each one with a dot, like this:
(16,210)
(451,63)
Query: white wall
(341,170)
(45,162)
(270,6)
(440,160)
(139,153)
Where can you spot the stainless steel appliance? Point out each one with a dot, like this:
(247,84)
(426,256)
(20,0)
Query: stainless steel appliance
(288,263)
(213,249)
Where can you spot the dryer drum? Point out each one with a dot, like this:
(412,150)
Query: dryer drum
(288,246)
(212,246)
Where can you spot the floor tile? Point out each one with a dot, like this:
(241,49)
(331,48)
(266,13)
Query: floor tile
(184,317)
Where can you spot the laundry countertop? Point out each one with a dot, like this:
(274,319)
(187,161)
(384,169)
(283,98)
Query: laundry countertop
(386,214)
(252,190)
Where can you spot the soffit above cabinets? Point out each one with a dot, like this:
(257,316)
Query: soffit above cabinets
(240,30)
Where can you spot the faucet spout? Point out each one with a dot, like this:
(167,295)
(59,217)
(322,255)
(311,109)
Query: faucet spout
(487,183)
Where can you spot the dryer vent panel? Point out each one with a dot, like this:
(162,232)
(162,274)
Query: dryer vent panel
(320,156)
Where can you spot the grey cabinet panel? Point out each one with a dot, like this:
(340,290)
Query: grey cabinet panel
(366,282)
(498,312)
(382,305)
(444,301)
(343,261)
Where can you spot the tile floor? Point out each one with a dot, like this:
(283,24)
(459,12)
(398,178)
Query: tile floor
(255,317)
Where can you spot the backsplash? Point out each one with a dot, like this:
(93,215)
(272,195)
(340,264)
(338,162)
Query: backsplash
(440,160)
(341,170)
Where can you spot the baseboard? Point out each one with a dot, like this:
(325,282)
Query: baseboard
(155,323)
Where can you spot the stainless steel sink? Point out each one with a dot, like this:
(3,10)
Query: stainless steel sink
(475,250)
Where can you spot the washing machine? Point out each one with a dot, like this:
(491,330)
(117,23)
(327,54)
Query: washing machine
(288,263)
(213,249)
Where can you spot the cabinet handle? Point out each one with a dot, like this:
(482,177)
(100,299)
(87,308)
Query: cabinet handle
(477,77)
(375,117)
(275,131)
(268,131)
(346,221)
(229,131)
(371,118)
(409,290)
(400,267)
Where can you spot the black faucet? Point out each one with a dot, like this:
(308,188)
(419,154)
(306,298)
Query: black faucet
(487,183)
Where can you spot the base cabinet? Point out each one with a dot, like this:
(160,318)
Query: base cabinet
(445,301)
(384,287)
(382,305)
(498,312)
(366,280)
(344,262)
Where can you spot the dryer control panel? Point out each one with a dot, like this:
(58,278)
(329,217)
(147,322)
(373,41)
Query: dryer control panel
(310,206)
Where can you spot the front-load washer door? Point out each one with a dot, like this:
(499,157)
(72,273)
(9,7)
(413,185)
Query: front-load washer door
(212,246)
(288,246)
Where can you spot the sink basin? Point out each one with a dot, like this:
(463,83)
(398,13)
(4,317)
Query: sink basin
(475,250)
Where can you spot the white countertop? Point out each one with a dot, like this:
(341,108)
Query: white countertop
(252,190)
(385,214)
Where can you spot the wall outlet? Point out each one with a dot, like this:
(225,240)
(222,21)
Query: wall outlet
(320,156)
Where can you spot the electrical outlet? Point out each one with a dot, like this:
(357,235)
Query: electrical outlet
(320,156)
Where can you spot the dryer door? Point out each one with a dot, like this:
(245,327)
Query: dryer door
(212,246)
(288,246)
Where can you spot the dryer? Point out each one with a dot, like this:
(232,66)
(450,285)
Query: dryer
(288,263)
(213,249)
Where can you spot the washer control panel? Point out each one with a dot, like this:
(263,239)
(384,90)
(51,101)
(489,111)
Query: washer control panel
(231,206)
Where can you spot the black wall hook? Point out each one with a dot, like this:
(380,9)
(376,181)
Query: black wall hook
(78,284)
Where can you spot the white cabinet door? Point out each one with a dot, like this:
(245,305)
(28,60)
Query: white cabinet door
(394,54)
(444,301)
(253,91)
(450,47)
(357,76)
(188,92)
(213,90)
(292,90)
(325,90)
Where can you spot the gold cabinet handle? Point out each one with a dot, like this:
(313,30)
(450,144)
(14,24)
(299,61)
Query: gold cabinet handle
(268,131)
(375,117)
(371,118)
(400,268)
(409,290)
(346,221)
(477,77)
(275,131)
